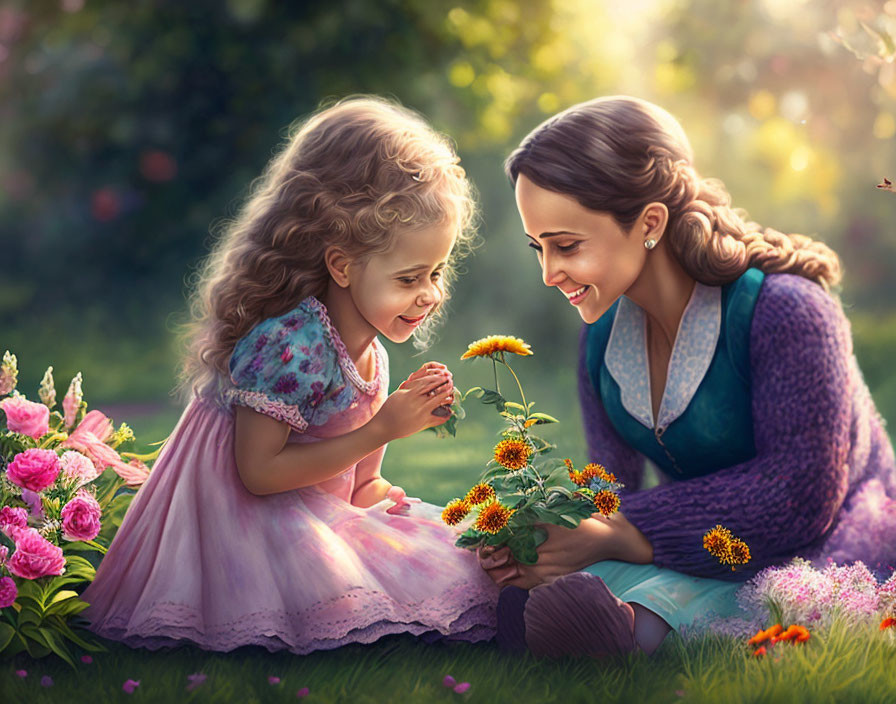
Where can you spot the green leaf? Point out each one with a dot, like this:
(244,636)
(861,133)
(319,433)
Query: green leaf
(84,546)
(57,644)
(469,539)
(515,406)
(6,634)
(542,418)
(569,521)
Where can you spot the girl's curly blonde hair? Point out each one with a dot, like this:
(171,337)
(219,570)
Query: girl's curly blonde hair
(352,175)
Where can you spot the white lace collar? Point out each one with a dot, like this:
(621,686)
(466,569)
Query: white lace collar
(692,353)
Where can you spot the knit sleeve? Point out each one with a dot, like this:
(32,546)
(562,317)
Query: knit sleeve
(604,444)
(787,496)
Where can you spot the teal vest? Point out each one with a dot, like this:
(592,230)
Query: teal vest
(716,429)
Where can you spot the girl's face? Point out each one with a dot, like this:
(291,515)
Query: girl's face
(582,252)
(396,290)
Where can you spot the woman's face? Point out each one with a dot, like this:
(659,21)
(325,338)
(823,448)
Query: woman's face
(582,252)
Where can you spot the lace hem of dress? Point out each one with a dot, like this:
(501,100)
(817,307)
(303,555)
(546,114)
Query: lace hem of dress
(371,616)
(278,410)
(345,361)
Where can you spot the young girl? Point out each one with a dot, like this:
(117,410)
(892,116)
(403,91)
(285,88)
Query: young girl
(713,347)
(265,520)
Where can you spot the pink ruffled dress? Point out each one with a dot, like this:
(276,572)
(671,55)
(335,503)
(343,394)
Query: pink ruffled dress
(200,559)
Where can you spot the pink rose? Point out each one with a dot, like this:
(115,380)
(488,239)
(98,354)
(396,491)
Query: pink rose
(13,517)
(4,551)
(81,517)
(34,469)
(35,556)
(8,592)
(25,417)
(78,467)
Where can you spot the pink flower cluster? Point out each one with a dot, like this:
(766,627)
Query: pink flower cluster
(90,438)
(816,597)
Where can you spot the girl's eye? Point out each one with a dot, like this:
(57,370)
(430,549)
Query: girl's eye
(407,279)
(436,275)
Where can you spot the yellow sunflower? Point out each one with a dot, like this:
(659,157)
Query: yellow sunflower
(479,494)
(512,454)
(492,517)
(606,502)
(491,345)
(455,511)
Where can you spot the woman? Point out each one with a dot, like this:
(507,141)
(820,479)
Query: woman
(714,348)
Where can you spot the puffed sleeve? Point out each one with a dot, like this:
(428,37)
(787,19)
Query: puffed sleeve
(284,367)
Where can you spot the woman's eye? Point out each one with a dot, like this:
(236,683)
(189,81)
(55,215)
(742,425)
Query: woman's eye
(535,247)
(568,247)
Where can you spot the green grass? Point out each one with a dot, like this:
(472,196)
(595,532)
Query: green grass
(843,666)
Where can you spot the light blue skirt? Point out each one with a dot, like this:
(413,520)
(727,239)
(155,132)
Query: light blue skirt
(683,601)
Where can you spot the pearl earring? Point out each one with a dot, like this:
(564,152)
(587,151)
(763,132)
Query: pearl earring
(650,243)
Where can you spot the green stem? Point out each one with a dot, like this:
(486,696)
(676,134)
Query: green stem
(495,368)
(518,384)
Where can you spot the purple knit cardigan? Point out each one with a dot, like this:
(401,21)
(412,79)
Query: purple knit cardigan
(823,481)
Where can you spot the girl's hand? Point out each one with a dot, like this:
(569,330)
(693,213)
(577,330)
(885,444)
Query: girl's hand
(402,502)
(409,409)
(569,550)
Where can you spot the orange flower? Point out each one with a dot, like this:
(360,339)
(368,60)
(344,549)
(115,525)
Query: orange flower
(793,634)
(598,470)
(716,541)
(739,552)
(512,454)
(493,344)
(888,622)
(606,502)
(759,652)
(762,636)
(492,518)
(455,511)
(479,494)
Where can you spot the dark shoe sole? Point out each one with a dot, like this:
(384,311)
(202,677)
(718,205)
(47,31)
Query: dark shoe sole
(577,614)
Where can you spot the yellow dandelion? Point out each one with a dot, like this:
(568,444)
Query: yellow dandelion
(492,517)
(479,494)
(455,511)
(606,502)
(595,470)
(512,454)
(718,542)
(491,345)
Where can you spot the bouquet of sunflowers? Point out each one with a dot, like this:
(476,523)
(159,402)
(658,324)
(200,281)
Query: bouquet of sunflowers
(63,494)
(520,489)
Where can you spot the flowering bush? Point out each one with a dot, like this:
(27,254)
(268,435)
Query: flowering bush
(519,489)
(63,491)
(799,593)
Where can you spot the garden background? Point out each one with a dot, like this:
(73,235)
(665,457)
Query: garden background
(129,131)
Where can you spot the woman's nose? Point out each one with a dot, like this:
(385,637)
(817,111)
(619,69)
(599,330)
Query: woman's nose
(551,273)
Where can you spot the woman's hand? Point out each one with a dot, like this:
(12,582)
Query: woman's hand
(569,550)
